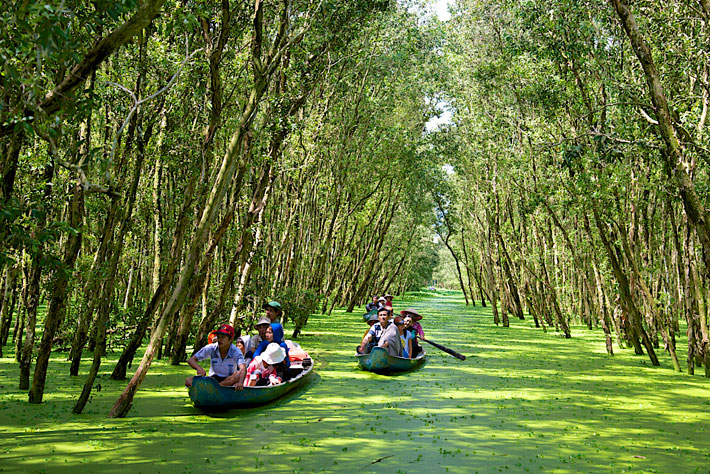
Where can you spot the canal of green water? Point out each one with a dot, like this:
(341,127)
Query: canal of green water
(522,401)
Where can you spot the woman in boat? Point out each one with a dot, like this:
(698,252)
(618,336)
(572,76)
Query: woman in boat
(415,328)
(408,336)
(416,317)
(262,370)
(243,343)
(274,333)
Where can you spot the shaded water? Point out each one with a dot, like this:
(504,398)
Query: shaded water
(523,401)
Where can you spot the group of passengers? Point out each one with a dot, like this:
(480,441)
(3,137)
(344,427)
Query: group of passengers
(260,360)
(397,334)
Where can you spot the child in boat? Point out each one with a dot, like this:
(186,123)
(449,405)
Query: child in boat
(262,370)
(226,361)
(372,338)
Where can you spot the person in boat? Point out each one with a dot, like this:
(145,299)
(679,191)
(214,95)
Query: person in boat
(370,318)
(243,343)
(261,326)
(273,311)
(409,338)
(263,369)
(274,334)
(372,337)
(391,338)
(226,361)
(416,317)
(388,300)
(413,327)
(372,305)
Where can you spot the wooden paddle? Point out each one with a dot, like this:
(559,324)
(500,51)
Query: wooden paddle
(445,349)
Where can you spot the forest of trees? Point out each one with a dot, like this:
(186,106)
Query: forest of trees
(167,165)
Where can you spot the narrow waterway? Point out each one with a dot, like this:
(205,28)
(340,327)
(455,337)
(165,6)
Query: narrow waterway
(522,401)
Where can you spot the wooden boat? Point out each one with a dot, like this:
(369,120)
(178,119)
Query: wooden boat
(380,362)
(207,394)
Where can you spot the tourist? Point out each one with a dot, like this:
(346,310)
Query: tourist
(372,337)
(416,317)
(226,361)
(391,337)
(262,370)
(243,343)
(261,325)
(372,305)
(274,334)
(408,336)
(273,311)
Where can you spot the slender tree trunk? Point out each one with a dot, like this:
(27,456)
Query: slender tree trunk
(625,293)
(58,298)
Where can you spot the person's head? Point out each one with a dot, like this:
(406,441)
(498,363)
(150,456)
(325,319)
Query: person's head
(262,324)
(243,343)
(225,335)
(273,310)
(398,321)
(381,300)
(411,312)
(388,298)
(408,321)
(383,315)
(269,334)
(373,318)
(375,298)
(273,354)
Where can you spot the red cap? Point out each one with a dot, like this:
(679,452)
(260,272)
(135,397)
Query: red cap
(226,329)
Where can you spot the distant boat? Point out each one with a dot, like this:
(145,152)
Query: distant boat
(380,362)
(207,394)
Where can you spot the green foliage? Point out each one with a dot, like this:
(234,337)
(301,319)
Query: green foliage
(298,305)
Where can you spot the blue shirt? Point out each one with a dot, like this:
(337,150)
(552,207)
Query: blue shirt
(218,366)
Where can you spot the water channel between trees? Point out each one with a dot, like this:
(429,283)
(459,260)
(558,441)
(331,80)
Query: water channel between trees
(522,401)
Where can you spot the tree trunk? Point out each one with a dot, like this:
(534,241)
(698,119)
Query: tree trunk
(58,298)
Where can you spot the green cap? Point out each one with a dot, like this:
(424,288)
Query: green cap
(273,304)
(368,316)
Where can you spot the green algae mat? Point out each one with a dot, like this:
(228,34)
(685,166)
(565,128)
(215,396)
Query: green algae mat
(522,401)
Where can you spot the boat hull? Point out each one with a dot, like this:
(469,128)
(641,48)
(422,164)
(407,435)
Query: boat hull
(207,394)
(380,362)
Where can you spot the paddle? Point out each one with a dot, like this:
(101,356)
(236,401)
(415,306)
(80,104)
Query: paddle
(445,349)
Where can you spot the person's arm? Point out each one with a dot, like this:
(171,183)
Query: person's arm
(235,380)
(192,362)
(365,340)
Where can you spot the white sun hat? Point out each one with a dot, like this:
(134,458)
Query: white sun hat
(273,354)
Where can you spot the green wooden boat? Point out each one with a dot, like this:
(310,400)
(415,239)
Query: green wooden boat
(207,394)
(380,362)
